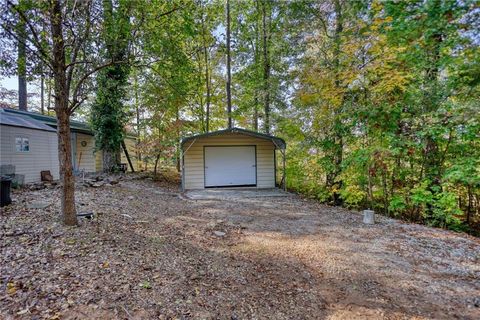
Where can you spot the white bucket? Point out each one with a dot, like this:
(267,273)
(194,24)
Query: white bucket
(368,216)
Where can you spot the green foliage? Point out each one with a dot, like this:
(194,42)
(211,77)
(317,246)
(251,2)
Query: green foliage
(387,103)
(446,211)
(421,196)
(397,205)
(108,113)
(353,196)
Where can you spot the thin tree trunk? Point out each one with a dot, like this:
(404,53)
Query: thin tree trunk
(42,93)
(266,69)
(66,168)
(49,94)
(337,134)
(137,109)
(157,158)
(178,147)
(255,114)
(433,160)
(385,190)
(207,76)
(63,117)
(207,85)
(469,204)
(22,68)
(229,75)
(257,59)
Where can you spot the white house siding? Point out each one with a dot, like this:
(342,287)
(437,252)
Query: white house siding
(85,155)
(193,158)
(99,161)
(43,154)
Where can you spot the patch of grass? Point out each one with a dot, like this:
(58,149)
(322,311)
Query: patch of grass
(157,241)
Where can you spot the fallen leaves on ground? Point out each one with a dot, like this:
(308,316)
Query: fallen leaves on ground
(149,253)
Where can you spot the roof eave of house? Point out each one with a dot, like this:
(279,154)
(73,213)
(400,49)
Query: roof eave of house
(75,126)
(27,127)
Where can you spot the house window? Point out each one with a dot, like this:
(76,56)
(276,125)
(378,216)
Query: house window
(22,144)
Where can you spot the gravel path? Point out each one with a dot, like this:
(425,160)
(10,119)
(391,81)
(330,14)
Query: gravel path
(152,253)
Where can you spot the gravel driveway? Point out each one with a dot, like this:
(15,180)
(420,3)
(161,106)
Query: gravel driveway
(153,253)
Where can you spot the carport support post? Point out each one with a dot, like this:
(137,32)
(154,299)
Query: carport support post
(284,171)
(284,155)
(182,155)
(183,170)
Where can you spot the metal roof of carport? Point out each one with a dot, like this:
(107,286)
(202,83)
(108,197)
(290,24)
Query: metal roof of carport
(278,142)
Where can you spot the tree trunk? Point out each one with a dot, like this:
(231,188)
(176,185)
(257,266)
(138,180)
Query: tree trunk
(22,67)
(66,168)
(431,101)
(63,117)
(255,114)
(42,93)
(207,76)
(229,75)
(256,62)
(266,69)
(207,85)
(178,146)
(111,160)
(49,94)
(137,109)
(157,158)
(469,204)
(337,135)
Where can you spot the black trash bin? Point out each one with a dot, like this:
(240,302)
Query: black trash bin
(5,186)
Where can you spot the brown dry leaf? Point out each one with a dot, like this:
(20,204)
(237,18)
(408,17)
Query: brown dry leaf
(11,288)
(56,316)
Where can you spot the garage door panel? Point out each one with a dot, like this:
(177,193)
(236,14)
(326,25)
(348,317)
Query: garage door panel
(230,166)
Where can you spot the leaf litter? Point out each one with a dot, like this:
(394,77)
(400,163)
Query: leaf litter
(149,253)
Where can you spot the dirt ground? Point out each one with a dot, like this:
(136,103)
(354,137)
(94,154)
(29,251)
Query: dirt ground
(150,253)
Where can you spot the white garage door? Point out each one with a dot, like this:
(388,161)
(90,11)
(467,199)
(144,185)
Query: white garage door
(230,166)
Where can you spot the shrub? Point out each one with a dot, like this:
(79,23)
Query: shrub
(353,196)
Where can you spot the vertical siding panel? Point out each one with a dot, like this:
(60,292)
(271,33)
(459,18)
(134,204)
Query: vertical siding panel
(99,160)
(43,154)
(85,154)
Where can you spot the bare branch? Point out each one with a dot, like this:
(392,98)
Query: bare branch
(78,43)
(79,62)
(168,12)
(75,102)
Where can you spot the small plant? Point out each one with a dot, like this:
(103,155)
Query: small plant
(445,211)
(353,196)
(397,205)
(145,285)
